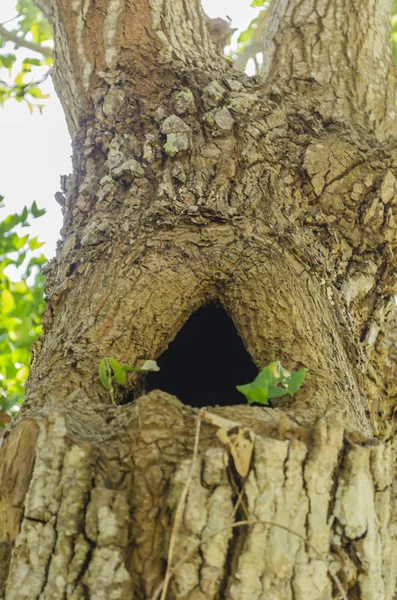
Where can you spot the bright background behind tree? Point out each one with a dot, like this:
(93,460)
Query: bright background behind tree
(21,305)
(35,148)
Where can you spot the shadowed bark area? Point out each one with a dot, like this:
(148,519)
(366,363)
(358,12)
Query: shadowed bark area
(205,362)
(15,475)
(194,184)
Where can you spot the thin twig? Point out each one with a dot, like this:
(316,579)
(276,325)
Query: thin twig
(11,36)
(12,19)
(250,523)
(257,66)
(179,512)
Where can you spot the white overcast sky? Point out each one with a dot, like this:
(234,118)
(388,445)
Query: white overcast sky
(35,149)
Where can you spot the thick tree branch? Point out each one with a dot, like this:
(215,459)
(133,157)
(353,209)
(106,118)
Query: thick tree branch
(256,43)
(11,36)
(249,52)
(338,54)
(46,8)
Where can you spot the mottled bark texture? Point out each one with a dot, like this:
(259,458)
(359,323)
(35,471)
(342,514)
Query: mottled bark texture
(338,53)
(106,483)
(277,198)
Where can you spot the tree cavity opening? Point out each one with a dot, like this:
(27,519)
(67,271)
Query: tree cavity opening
(205,362)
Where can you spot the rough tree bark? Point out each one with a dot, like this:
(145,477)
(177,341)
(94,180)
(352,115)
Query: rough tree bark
(275,197)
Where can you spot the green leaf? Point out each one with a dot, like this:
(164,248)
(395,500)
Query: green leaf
(18,241)
(116,366)
(110,368)
(7,60)
(34,243)
(36,92)
(37,212)
(104,375)
(118,373)
(7,301)
(245,36)
(11,221)
(120,377)
(32,61)
(254,393)
(24,214)
(272,382)
(29,24)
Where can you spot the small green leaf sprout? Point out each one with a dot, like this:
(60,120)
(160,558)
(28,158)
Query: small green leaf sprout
(272,382)
(110,369)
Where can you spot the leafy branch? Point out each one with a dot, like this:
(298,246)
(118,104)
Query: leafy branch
(30,31)
(250,40)
(110,369)
(20,42)
(272,382)
(21,305)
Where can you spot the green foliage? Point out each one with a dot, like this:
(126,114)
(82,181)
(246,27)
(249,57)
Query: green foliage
(110,369)
(249,43)
(272,382)
(31,27)
(31,20)
(21,304)
(245,36)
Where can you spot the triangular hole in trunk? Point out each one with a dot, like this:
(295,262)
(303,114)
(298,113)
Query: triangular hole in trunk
(205,362)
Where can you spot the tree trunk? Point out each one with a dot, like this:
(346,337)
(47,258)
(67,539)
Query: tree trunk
(274,200)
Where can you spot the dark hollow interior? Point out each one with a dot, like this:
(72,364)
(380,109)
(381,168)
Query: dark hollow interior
(205,362)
